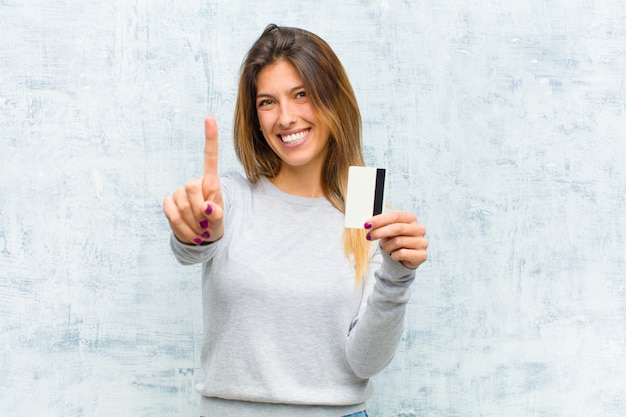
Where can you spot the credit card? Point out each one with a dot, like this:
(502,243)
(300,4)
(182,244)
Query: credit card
(366,188)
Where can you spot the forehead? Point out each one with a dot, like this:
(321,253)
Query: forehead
(277,76)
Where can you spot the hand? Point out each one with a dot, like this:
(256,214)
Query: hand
(401,236)
(196,211)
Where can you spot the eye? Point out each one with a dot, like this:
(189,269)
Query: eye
(265,102)
(301,94)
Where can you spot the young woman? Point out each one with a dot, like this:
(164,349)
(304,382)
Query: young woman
(299,312)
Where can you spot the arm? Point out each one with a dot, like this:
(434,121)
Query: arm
(196,212)
(375,334)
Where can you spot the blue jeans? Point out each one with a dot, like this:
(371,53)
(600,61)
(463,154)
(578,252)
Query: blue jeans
(359,414)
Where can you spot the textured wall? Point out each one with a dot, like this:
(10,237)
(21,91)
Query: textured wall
(504,127)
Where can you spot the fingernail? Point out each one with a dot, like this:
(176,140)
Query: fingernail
(197,241)
(368,237)
(368,225)
(209,209)
(206,234)
(204,223)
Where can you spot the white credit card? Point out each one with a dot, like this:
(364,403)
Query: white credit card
(366,186)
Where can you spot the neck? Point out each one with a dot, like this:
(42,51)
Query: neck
(299,182)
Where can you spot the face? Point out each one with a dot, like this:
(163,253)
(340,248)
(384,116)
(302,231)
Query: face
(288,120)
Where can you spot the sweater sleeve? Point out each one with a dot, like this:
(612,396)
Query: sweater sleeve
(191,254)
(375,333)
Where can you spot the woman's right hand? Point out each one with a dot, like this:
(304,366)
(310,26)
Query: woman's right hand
(196,211)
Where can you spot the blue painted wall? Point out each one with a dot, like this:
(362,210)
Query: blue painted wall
(503,125)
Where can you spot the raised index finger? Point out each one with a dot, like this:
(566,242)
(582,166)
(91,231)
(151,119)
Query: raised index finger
(210,147)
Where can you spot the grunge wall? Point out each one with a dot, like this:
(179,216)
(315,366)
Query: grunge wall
(502,124)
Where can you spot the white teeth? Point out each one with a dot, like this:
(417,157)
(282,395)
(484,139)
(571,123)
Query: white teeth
(295,137)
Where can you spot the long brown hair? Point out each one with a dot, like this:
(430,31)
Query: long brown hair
(334,101)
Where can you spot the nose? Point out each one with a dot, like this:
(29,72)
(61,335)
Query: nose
(287,116)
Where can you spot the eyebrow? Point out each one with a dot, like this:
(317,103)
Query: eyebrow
(291,91)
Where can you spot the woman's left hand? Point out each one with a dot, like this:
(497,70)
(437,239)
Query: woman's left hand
(401,236)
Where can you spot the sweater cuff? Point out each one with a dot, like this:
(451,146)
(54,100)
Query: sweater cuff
(190,254)
(395,271)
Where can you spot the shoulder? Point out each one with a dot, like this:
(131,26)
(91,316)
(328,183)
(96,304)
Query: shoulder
(235,187)
(234,179)
(234,182)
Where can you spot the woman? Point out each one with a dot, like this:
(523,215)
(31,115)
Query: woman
(299,312)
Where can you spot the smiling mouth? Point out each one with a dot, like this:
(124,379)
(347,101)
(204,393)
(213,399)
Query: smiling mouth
(294,138)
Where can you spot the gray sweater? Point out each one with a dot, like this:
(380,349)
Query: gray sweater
(287,330)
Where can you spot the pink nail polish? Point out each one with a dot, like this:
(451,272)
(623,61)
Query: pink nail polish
(209,209)
(206,234)
(197,241)
(204,223)
(368,237)
(368,225)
